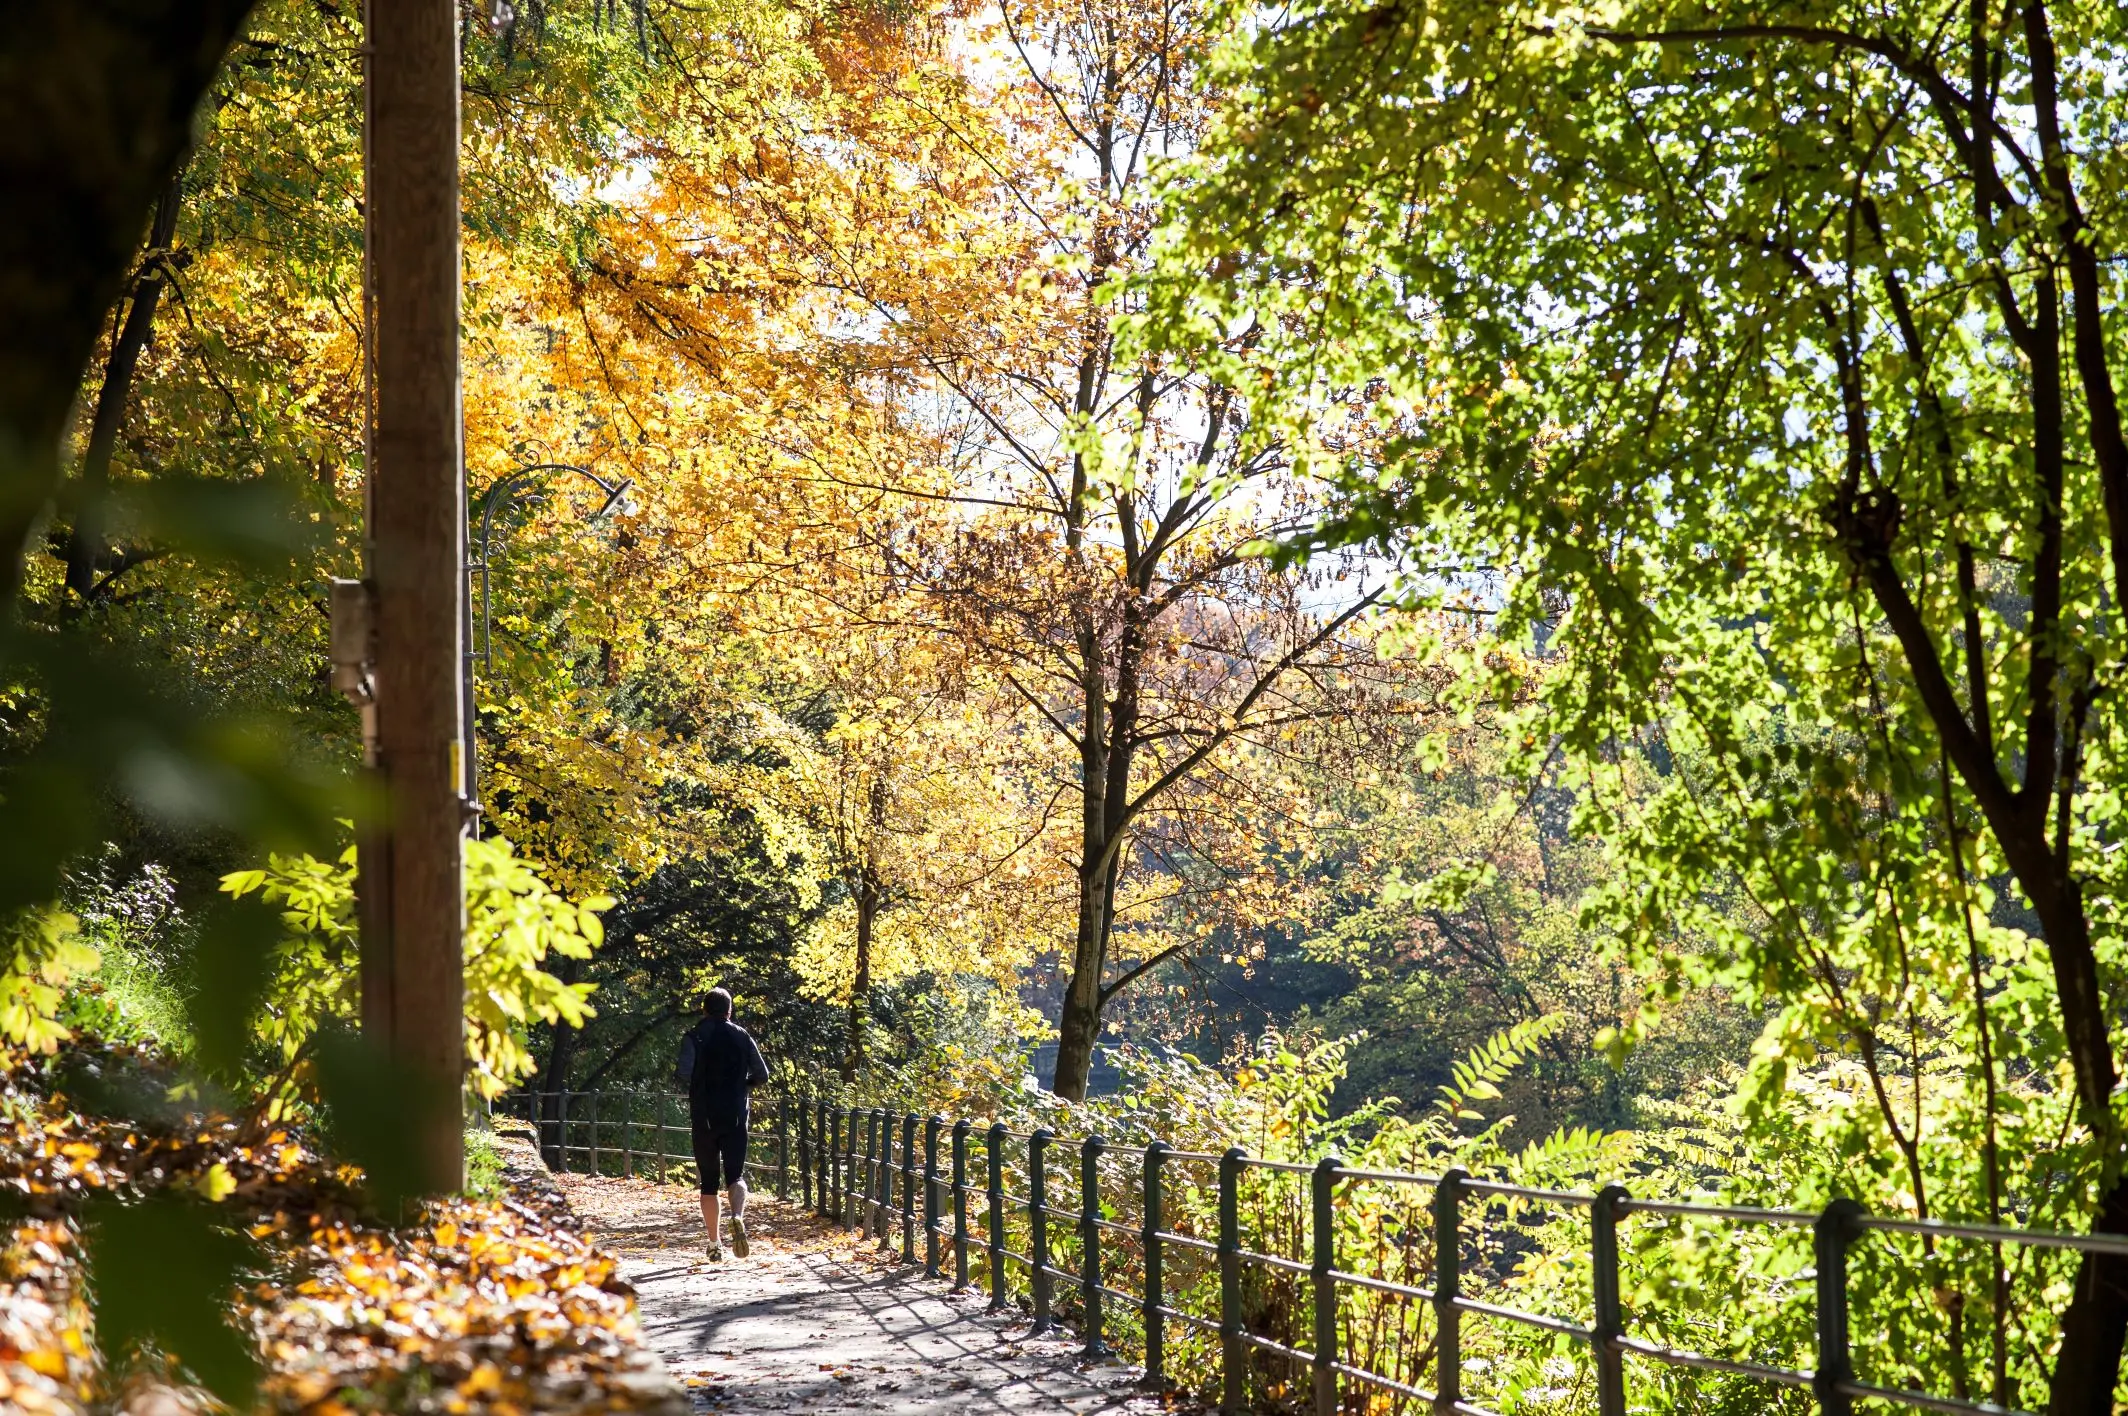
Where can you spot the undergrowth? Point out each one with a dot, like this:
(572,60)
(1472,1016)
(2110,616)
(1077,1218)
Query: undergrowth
(469,1305)
(483,1165)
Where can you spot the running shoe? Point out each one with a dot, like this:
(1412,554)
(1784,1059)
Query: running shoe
(738,1236)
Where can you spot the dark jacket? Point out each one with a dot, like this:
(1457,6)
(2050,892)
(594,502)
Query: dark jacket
(719,1065)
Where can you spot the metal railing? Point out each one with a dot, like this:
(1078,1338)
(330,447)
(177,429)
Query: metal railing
(849,1169)
(641,1133)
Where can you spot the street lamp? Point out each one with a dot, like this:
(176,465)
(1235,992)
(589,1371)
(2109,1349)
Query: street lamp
(617,500)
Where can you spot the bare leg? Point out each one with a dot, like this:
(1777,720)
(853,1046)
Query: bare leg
(738,1219)
(710,1217)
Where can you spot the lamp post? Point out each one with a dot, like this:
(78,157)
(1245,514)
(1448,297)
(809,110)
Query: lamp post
(490,501)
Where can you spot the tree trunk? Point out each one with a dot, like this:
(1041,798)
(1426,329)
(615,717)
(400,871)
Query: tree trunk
(1079,1027)
(1106,766)
(2093,1326)
(861,984)
(87,550)
(561,1056)
(96,105)
(1080,1021)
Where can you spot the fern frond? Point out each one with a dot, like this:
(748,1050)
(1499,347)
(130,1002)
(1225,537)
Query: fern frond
(1478,1077)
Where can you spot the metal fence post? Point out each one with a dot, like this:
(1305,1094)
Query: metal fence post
(845,1140)
(595,1131)
(628,1100)
(811,1164)
(845,1212)
(868,1174)
(1090,1244)
(852,1148)
(883,1194)
(1038,1222)
(996,1188)
(658,1131)
(876,1180)
(931,1125)
(783,1146)
(561,1130)
(1447,1287)
(1233,1355)
(682,1121)
(961,1129)
(883,1181)
(1155,1300)
(908,1188)
(1610,1324)
(831,1127)
(855,1182)
(865,1176)
(850,1143)
(1835,1229)
(1322,1217)
(823,1157)
(868,1181)
(882,1177)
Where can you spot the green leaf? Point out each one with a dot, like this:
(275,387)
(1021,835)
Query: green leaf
(375,1108)
(163,1273)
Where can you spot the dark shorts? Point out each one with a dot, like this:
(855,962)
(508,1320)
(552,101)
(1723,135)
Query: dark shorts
(720,1154)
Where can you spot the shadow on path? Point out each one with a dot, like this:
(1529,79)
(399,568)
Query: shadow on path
(819,1321)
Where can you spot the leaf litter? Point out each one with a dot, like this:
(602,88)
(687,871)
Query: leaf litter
(486,1308)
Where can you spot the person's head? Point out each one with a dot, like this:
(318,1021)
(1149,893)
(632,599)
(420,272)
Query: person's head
(717,1007)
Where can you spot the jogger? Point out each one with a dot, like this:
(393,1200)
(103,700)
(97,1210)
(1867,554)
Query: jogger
(720,1066)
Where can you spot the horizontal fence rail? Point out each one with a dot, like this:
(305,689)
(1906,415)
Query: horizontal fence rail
(953,1195)
(643,1133)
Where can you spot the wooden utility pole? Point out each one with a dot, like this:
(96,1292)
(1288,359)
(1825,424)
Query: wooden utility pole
(412,896)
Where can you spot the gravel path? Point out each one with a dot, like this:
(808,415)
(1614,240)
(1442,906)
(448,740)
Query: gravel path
(820,1322)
